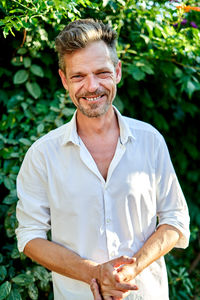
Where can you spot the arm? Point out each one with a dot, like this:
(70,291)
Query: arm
(64,261)
(159,244)
(60,259)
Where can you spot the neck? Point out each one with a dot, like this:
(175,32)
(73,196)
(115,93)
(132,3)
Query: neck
(96,126)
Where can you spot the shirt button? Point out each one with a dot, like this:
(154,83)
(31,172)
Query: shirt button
(108,221)
(112,254)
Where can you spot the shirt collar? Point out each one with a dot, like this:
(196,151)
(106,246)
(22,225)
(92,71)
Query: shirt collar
(125,132)
(71,134)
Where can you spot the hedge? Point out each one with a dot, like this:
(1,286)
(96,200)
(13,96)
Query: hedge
(160,52)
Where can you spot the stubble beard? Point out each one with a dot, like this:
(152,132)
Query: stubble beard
(94,111)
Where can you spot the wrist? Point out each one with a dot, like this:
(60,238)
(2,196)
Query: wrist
(91,271)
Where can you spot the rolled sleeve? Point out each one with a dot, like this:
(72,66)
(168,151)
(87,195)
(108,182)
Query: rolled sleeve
(171,204)
(33,213)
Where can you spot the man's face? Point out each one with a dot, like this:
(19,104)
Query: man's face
(91,79)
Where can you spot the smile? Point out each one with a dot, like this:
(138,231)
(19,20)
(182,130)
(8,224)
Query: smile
(92,98)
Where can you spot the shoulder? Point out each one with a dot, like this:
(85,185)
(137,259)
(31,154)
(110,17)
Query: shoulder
(141,128)
(53,139)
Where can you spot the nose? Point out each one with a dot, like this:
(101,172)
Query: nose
(91,83)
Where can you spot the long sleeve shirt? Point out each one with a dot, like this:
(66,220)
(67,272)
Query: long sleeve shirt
(61,189)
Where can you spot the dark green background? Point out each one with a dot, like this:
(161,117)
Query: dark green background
(161,85)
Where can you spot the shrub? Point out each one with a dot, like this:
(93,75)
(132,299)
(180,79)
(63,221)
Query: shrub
(159,48)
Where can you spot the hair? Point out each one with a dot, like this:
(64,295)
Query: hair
(78,34)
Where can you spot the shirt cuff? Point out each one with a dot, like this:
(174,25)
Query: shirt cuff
(24,236)
(183,241)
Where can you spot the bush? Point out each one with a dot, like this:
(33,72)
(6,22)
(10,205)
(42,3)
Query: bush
(159,48)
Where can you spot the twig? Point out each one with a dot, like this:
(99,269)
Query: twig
(194,264)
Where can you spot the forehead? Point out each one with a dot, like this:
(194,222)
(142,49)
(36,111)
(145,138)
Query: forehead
(96,55)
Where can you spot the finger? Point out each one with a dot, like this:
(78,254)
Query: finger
(128,286)
(122,266)
(122,260)
(124,274)
(95,290)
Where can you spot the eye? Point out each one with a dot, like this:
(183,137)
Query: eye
(103,74)
(77,77)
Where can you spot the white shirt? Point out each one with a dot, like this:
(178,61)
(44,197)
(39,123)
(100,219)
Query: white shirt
(60,188)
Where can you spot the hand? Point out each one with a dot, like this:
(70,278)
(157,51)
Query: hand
(126,273)
(96,293)
(109,282)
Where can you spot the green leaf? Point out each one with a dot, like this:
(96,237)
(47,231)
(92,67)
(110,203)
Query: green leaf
(33,291)
(20,77)
(5,289)
(25,141)
(22,51)
(148,69)
(190,88)
(150,25)
(27,62)
(3,273)
(23,279)
(40,128)
(68,111)
(136,73)
(34,89)
(9,183)
(15,254)
(41,273)
(37,70)
(14,295)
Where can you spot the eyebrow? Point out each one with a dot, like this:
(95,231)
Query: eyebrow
(103,69)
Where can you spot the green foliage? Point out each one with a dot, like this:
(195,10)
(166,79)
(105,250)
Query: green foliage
(160,85)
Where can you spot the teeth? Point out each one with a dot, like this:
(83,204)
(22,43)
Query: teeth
(93,99)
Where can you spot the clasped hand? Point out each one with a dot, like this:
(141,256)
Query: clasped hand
(114,279)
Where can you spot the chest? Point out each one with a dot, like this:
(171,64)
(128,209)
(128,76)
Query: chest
(102,151)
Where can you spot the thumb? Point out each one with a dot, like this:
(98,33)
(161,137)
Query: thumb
(122,260)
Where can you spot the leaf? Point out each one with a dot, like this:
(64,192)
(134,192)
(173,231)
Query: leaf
(27,62)
(148,69)
(136,73)
(3,273)
(9,183)
(5,289)
(25,142)
(150,25)
(40,128)
(33,89)
(190,88)
(145,37)
(37,70)
(14,295)
(33,291)
(23,279)
(21,51)
(20,77)
(41,273)
(68,111)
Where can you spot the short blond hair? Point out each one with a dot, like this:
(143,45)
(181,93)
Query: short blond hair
(80,33)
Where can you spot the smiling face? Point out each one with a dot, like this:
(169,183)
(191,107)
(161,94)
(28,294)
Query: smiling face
(91,79)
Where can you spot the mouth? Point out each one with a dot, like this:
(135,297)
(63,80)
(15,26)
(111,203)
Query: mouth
(93,98)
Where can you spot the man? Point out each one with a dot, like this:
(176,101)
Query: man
(99,183)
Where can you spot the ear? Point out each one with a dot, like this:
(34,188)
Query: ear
(63,78)
(118,70)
